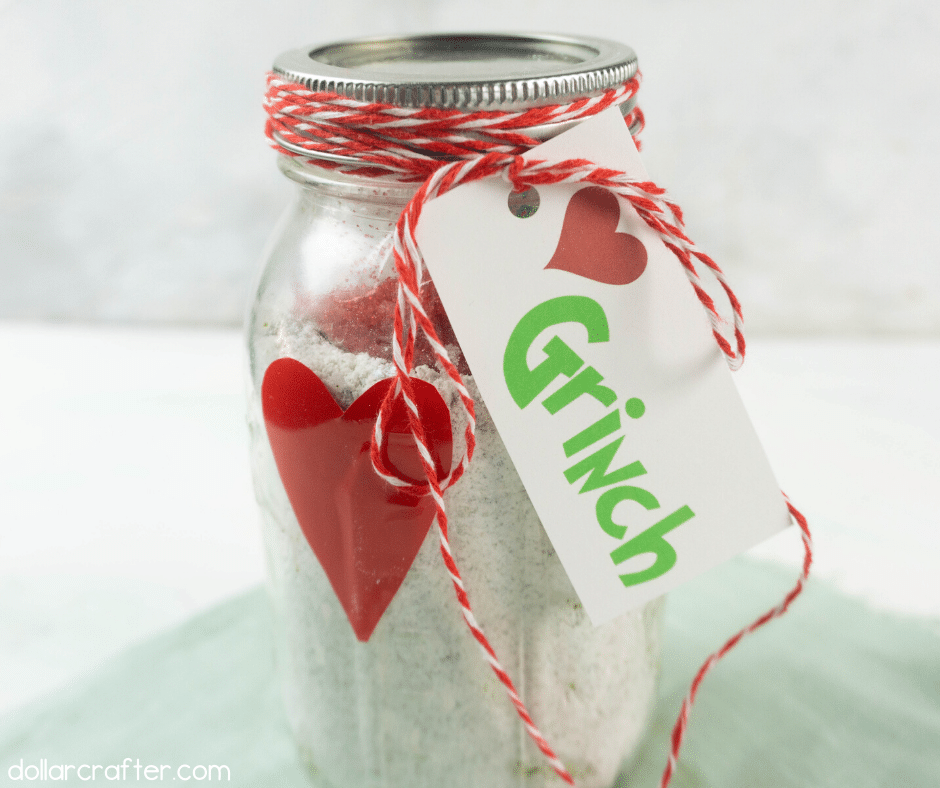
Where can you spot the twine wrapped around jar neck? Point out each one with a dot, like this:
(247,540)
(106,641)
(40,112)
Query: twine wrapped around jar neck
(393,143)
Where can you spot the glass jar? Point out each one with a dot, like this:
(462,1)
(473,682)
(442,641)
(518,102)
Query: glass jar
(382,681)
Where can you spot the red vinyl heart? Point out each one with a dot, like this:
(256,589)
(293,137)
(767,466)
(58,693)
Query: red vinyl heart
(590,245)
(364,531)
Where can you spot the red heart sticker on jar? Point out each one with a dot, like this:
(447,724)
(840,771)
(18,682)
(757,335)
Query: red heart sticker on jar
(364,531)
(590,245)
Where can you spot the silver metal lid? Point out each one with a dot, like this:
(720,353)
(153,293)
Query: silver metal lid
(463,70)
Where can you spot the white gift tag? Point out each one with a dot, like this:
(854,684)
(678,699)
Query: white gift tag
(598,365)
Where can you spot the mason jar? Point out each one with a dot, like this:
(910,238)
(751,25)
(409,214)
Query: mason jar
(382,681)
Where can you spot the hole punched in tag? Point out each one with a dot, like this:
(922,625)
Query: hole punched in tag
(523,204)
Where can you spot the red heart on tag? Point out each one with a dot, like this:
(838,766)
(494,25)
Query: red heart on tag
(590,245)
(364,531)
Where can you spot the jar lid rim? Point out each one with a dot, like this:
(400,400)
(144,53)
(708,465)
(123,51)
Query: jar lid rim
(505,71)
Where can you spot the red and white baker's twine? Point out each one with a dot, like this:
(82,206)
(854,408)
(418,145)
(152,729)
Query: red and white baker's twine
(441,149)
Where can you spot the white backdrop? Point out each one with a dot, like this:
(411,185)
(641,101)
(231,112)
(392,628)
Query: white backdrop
(136,184)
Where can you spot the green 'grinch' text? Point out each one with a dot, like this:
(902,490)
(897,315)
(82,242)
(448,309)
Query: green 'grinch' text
(525,384)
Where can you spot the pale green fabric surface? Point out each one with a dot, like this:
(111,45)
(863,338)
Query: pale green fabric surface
(832,695)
